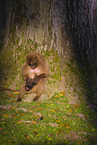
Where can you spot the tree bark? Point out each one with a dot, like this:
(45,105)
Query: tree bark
(67,28)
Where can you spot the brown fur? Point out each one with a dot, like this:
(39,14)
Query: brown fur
(30,83)
(35,69)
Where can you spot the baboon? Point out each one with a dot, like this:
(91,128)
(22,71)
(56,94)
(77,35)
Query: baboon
(35,72)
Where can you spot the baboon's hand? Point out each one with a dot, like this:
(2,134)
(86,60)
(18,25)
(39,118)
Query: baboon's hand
(37,78)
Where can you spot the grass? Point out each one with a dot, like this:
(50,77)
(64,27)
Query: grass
(54,122)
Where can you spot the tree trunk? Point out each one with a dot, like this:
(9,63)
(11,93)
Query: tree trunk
(61,30)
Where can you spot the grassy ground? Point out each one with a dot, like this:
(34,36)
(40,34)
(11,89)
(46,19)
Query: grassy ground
(54,122)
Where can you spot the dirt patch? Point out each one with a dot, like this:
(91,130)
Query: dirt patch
(72,136)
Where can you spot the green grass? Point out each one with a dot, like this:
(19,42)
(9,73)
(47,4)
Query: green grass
(53,122)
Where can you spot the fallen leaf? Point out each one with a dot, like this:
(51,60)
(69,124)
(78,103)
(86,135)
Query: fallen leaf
(61,125)
(19,122)
(61,78)
(58,121)
(13,108)
(93,129)
(34,122)
(37,105)
(61,131)
(9,101)
(26,136)
(16,93)
(10,141)
(35,132)
(57,109)
(56,96)
(50,134)
(70,110)
(12,96)
(62,92)
(76,106)
(22,113)
(52,110)
(49,138)
(38,134)
(68,127)
(39,109)
(30,110)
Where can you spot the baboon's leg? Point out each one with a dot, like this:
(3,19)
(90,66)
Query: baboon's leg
(22,91)
(36,98)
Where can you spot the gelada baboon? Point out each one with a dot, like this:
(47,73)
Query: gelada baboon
(35,72)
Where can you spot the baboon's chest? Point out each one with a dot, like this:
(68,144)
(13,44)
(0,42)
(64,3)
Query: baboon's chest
(34,72)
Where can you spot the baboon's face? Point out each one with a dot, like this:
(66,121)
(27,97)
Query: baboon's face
(33,61)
